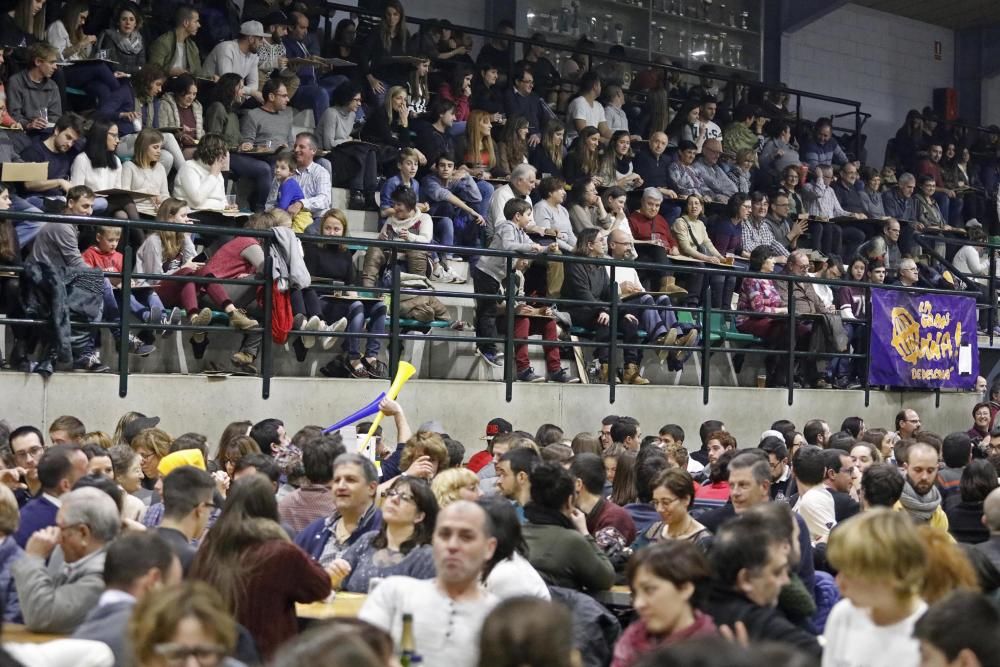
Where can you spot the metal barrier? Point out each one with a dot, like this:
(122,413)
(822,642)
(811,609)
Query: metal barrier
(395,336)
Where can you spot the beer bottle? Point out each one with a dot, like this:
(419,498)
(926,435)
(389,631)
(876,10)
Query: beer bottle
(407,648)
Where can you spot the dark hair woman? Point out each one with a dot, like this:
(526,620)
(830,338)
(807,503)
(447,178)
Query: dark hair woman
(666,581)
(400,547)
(247,557)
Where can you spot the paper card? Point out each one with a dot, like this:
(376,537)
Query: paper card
(350,438)
(19,172)
(965,360)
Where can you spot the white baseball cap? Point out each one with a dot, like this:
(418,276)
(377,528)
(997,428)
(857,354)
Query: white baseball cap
(252,29)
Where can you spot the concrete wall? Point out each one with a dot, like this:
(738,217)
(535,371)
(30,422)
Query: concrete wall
(886,62)
(194,403)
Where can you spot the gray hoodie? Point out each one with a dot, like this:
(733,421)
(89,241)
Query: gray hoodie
(25,98)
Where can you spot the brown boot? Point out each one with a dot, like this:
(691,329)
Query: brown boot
(631,375)
(669,287)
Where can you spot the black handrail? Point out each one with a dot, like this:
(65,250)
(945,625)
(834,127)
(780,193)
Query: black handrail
(395,335)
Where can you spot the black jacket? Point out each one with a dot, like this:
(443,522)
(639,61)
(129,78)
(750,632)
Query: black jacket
(727,607)
(586,282)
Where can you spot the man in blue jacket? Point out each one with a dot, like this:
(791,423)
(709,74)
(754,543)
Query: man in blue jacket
(58,470)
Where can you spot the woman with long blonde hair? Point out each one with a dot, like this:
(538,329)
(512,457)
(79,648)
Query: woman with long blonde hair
(480,149)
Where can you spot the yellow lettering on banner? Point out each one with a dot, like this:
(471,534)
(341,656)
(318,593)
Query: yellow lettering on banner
(930,373)
(931,320)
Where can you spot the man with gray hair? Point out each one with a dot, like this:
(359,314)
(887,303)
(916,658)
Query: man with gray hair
(991,519)
(718,186)
(57,602)
(909,274)
(522,181)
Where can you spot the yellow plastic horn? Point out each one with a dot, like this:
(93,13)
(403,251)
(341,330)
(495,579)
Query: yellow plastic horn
(403,373)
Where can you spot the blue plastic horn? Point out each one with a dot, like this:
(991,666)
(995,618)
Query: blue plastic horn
(366,411)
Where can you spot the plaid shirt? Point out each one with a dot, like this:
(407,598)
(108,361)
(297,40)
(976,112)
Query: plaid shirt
(304,505)
(759,234)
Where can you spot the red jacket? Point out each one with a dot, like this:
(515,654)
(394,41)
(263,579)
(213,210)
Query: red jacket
(643,229)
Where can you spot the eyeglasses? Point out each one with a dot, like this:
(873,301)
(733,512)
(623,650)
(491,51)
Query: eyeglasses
(663,503)
(32,453)
(403,497)
(177,655)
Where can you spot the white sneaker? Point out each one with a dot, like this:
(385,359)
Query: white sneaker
(336,327)
(439,275)
(312,324)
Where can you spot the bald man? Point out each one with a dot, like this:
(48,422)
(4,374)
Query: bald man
(661,326)
(448,611)
(651,164)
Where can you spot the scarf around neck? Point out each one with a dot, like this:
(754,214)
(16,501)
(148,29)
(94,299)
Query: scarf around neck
(921,508)
(130,44)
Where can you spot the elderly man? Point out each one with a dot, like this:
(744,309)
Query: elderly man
(654,168)
(522,181)
(660,325)
(239,56)
(447,612)
(58,602)
(900,204)
(657,243)
(909,274)
(717,184)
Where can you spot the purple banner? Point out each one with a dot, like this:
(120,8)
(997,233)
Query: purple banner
(923,340)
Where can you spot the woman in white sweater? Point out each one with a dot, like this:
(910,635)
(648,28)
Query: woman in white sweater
(199,182)
(550,213)
(100,169)
(145,173)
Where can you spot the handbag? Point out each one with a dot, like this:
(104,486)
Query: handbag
(702,247)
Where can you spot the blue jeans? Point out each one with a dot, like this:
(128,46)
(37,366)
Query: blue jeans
(140,302)
(26,230)
(375,313)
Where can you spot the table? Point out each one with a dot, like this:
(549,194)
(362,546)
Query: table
(617,596)
(343,605)
(19,634)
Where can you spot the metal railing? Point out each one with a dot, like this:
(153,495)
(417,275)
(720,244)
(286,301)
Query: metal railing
(395,335)
(799,95)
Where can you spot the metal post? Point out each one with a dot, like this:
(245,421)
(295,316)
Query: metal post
(857,132)
(394,350)
(868,348)
(706,343)
(991,315)
(508,345)
(613,341)
(128,262)
(790,375)
(267,343)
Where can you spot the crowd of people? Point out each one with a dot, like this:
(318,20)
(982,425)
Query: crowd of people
(178,103)
(866,546)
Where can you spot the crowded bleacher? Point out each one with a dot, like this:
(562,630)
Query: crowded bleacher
(696,210)
(259,120)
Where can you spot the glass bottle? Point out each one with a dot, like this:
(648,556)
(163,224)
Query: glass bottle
(619,33)
(407,643)
(745,20)
(607,29)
